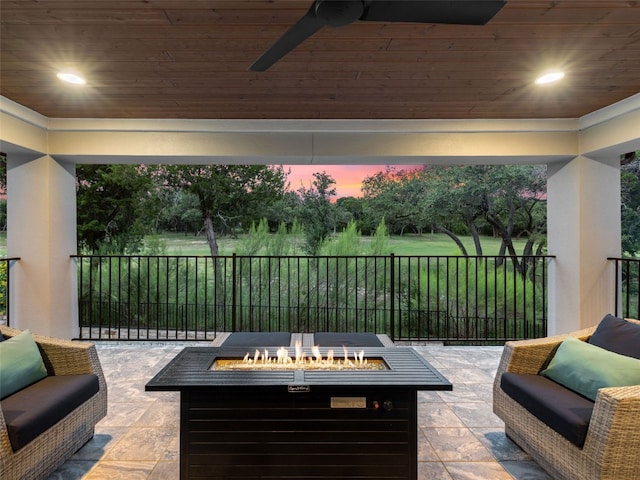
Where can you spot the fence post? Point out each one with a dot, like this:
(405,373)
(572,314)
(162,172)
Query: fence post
(618,287)
(392,319)
(8,293)
(233,294)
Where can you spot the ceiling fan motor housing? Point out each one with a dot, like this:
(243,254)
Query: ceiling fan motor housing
(338,13)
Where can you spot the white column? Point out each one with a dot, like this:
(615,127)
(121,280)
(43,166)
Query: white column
(41,210)
(583,209)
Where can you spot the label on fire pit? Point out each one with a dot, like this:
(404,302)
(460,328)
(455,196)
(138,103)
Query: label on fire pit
(348,402)
(298,388)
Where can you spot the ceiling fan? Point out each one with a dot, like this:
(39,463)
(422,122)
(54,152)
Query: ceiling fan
(337,13)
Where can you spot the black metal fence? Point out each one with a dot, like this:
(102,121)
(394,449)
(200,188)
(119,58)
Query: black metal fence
(5,289)
(627,296)
(474,300)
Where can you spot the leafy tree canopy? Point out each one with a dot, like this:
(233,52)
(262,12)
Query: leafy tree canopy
(630,203)
(505,201)
(111,202)
(229,196)
(317,213)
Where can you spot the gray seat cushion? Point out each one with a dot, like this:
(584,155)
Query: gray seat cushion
(559,408)
(36,408)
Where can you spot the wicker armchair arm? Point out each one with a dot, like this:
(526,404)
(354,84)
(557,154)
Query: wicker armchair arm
(64,357)
(614,429)
(5,445)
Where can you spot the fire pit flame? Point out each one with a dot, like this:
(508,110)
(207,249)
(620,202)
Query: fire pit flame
(262,360)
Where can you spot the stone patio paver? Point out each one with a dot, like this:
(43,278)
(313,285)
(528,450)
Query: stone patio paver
(459,436)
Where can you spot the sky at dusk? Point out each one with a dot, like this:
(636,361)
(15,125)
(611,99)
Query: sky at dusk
(348,177)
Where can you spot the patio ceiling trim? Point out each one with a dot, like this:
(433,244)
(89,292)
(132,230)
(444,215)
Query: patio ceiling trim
(606,132)
(613,130)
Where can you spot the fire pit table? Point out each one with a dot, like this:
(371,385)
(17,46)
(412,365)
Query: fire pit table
(281,417)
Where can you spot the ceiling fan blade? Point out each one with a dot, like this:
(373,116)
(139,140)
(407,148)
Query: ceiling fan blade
(343,12)
(460,12)
(298,33)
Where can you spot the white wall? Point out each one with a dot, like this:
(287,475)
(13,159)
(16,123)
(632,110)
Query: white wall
(41,231)
(584,229)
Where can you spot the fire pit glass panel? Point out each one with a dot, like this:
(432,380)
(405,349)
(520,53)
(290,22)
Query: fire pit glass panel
(297,359)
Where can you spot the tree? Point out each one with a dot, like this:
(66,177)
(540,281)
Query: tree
(283,210)
(506,201)
(506,198)
(229,196)
(3,214)
(630,203)
(352,208)
(110,204)
(317,211)
(178,211)
(396,197)
(3,189)
(3,172)
(449,208)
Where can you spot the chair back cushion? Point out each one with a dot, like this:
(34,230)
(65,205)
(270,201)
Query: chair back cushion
(585,368)
(617,335)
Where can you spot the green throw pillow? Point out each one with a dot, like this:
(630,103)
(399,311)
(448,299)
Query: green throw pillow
(585,368)
(20,363)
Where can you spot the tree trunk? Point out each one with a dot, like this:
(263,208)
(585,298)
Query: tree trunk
(503,233)
(501,251)
(528,247)
(455,238)
(211,236)
(476,237)
(219,291)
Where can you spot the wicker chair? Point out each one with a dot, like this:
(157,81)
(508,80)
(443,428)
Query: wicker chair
(612,444)
(52,448)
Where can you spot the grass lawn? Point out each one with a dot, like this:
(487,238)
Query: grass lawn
(427,244)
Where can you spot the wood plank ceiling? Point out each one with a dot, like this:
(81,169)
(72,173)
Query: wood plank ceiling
(189,59)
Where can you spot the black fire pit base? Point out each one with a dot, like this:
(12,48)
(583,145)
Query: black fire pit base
(298,424)
(367,434)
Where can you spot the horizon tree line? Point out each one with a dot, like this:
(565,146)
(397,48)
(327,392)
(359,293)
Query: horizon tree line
(119,204)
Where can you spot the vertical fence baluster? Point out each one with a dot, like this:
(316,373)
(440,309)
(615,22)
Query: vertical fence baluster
(234,292)
(392,289)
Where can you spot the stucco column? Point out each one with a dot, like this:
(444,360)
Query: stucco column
(41,230)
(583,209)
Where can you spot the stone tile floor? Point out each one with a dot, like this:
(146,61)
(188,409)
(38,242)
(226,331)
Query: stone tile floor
(459,436)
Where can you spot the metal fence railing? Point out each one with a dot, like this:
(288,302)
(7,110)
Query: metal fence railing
(5,289)
(627,296)
(472,300)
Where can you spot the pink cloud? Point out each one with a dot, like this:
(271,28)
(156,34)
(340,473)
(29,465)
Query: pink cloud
(348,177)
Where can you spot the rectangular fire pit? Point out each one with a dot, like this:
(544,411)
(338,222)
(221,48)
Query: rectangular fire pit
(298,423)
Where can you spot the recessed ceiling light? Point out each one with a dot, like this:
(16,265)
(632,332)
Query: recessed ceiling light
(71,78)
(549,77)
